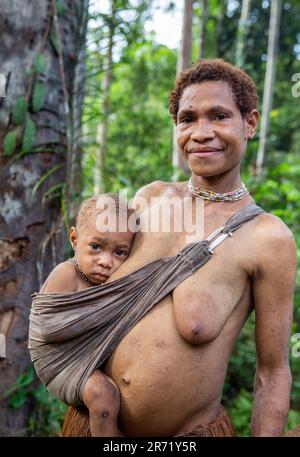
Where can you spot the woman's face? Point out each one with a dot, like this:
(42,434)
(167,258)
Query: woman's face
(211,132)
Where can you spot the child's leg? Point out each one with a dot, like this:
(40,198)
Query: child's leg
(102,398)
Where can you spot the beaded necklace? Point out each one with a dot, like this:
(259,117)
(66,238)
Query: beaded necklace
(91,283)
(232,196)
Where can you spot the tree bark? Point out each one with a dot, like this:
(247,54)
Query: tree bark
(31,234)
(183,62)
(75,183)
(274,28)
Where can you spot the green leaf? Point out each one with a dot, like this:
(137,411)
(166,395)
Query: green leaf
(10,143)
(19,111)
(39,63)
(44,177)
(60,7)
(54,42)
(29,136)
(22,381)
(38,97)
(18,399)
(53,192)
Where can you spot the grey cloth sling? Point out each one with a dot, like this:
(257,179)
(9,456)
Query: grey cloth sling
(72,334)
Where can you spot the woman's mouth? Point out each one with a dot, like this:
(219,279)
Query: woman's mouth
(204,152)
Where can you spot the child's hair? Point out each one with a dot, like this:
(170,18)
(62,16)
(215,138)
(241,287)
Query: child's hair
(89,205)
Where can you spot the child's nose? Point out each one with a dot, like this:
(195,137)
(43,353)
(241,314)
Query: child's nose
(105,260)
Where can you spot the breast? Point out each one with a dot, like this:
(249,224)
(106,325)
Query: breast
(164,379)
(202,305)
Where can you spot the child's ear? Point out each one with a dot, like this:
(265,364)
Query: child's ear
(73,237)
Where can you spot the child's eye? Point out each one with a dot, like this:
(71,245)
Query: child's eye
(95,246)
(120,253)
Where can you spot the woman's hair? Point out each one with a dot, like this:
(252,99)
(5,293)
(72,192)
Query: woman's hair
(242,86)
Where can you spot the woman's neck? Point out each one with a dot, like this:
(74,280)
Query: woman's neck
(221,183)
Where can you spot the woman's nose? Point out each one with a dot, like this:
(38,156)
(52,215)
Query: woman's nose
(202,131)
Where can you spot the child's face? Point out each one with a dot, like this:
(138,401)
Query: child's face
(99,254)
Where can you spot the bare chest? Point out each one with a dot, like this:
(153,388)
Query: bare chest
(219,292)
(207,300)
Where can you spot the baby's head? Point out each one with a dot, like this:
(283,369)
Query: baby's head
(99,251)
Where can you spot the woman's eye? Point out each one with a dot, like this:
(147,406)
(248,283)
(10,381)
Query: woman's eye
(186,120)
(220,117)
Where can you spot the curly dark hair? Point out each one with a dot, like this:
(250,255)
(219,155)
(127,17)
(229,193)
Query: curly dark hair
(243,88)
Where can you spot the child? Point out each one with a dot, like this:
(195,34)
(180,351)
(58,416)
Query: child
(97,255)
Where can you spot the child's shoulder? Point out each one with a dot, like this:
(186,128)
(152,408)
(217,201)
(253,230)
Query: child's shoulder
(63,278)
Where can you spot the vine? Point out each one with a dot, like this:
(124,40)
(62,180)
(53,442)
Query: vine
(47,415)
(20,139)
(22,135)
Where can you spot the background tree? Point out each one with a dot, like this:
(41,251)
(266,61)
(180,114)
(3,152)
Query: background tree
(183,62)
(75,179)
(118,28)
(269,81)
(202,22)
(106,82)
(241,34)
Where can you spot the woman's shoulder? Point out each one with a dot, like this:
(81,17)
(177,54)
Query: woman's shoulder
(159,189)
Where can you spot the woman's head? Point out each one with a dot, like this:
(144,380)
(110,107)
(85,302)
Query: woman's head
(214,108)
(242,86)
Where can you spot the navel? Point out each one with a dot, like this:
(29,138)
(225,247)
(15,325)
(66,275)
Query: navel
(126,380)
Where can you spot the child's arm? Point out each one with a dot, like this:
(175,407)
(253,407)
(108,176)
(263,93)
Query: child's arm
(64,278)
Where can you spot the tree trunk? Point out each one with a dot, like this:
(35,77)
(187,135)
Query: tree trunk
(102,130)
(183,62)
(241,35)
(202,22)
(31,229)
(219,27)
(274,28)
(75,183)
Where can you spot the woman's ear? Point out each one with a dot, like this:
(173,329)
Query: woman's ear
(252,123)
(73,237)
